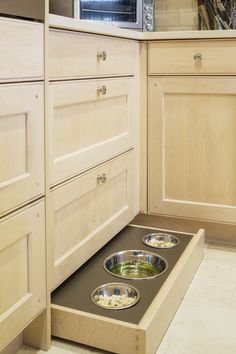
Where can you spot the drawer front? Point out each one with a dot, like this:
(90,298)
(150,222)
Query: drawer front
(192,57)
(21,144)
(22,270)
(88,127)
(73,54)
(22,54)
(100,328)
(88,211)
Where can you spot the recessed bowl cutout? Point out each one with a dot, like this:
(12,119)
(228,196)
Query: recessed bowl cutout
(160,240)
(135,264)
(115,296)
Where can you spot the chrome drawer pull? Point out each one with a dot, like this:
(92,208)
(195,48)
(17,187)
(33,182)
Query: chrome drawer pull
(102,90)
(101,55)
(102,178)
(197,57)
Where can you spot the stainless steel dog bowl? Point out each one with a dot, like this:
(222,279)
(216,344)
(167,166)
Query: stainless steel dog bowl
(115,296)
(161,240)
(135,264)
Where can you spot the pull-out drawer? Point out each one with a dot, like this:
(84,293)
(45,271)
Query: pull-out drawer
(72,54)
(192,57)
(88,211)
(138,329)
(22,270)
(90,121)
(21,50)
(21,144)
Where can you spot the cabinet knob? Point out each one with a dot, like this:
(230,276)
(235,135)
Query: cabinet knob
(102,90)
(197,57)
(102,178)
(101,55)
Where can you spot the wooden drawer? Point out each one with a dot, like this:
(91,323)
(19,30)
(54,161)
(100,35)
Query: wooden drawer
(86,127)
(192,57)
(72,54)
(22,50)
(86,213)
(140,328)
(21,144)
(22,270)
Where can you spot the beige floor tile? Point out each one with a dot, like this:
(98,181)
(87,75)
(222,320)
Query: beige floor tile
(201,329)
(206,319)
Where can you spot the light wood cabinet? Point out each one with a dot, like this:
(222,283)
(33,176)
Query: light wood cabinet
(21,144)
(90,121)
(22,270)
(88,211)
(73,54)
(92,144)
(22,54)
(192,147)
(22,218)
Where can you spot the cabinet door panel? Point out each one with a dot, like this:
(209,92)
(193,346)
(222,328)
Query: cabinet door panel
(86,213)
(22,270)
(21,144)
(87,127)
(192,169)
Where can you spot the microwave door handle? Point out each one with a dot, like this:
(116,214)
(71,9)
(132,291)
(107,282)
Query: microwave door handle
(76,9)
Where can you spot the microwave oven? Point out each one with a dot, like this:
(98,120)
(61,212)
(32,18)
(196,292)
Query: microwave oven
(134,14)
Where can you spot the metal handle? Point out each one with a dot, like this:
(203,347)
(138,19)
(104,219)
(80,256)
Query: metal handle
(102,178)
(102,90)
(197,57)
(101,55)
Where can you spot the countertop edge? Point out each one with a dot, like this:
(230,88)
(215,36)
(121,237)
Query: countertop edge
(66,23)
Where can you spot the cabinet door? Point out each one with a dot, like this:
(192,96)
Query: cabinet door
(192,147)
(88,211)
(21,144)
(22,270)
(90,122)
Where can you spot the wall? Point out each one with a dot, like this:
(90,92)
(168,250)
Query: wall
(176,15)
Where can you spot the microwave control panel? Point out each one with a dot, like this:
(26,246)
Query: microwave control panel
(148,15)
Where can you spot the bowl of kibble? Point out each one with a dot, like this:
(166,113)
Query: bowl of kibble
(160,240)
(115,296)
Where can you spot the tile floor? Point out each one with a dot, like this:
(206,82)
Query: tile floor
(205,322)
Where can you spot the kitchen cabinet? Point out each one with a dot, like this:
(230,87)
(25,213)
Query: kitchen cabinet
(22,188)
(22,270)
(192,145)
(92,145)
